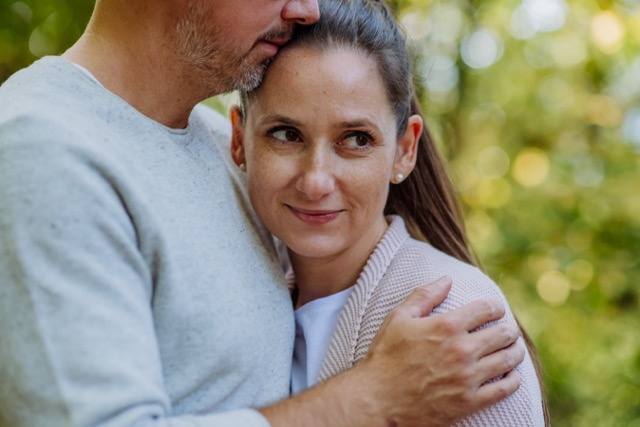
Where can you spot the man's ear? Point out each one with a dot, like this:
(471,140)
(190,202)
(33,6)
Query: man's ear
(407,150)
(237,136)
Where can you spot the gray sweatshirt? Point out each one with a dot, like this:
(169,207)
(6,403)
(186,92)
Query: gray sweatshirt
(136,288)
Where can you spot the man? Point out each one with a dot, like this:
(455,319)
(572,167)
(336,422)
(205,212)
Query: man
(135,286)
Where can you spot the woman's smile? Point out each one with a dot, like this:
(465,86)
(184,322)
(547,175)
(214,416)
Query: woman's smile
(315,216)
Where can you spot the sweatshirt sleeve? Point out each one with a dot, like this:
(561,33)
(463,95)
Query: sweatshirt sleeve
(77,338)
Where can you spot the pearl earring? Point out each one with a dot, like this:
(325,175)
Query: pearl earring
(242,167)
(398,178)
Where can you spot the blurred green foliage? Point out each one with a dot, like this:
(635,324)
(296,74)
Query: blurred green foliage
(537,105)
(30,29)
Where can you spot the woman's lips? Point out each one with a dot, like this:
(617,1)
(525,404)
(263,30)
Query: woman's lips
(315,216)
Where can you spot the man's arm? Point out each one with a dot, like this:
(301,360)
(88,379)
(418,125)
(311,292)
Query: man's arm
(418,370)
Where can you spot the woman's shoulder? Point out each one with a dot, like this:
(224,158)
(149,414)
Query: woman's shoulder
(426,258)
(418,263)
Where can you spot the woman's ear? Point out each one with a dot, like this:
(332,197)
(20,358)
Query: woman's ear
(407,151)
(237,137)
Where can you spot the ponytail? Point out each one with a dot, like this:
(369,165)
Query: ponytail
(428,204)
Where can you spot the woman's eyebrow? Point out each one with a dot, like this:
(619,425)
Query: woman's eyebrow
(359,123)
(356,123)
(278,118)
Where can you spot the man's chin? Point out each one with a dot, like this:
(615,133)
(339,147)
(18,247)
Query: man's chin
(252,78)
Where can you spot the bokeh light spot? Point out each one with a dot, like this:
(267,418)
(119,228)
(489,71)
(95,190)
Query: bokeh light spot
(607,32)
(537,16)
(414,24)
(492,162)
(494,193)
(481,49)
(631,127)
(23,10)
(40,45)
(43,40)
(553,287)
(540,263)
(531,167)
(580,273)
(440,73)
(522,26)
(483,233)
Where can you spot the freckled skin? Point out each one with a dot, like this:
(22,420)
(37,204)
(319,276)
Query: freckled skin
(324,99)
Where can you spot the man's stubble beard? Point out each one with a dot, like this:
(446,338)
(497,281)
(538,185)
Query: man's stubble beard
(220,68)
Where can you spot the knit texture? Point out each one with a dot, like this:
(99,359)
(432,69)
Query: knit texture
(397,266)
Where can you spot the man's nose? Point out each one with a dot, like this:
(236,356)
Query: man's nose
(303,12)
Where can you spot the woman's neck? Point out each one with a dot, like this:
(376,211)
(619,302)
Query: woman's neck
(320,277)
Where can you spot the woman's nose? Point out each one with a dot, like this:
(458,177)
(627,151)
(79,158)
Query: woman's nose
(316,178)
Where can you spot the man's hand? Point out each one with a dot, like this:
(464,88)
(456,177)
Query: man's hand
(434,368)
(419,370)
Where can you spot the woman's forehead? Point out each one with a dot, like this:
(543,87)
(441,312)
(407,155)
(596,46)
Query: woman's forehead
(307,69)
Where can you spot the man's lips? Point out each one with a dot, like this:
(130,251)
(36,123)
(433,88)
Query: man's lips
(274,44)
(277,42)
(315,216)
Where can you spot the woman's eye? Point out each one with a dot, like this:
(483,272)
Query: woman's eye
(287,135)
(359,140)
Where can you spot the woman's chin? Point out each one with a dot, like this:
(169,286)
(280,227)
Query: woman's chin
(315,248)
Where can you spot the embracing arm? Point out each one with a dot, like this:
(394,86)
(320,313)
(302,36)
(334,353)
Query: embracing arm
(394,386)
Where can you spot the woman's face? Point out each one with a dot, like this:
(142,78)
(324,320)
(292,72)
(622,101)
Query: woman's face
(320,146)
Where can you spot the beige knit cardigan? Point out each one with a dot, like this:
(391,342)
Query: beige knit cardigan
(398,265)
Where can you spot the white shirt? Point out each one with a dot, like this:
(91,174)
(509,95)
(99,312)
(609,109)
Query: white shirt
(315,324)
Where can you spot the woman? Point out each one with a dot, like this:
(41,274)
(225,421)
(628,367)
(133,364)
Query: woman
(343,171)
